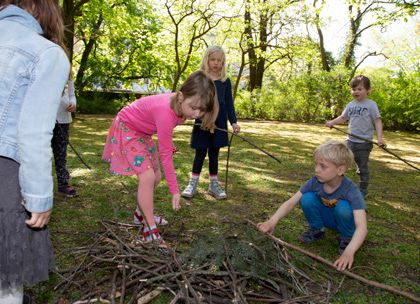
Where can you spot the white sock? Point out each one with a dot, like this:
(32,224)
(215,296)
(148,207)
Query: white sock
(11,296)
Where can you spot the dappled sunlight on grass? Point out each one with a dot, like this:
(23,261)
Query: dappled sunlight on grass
(404,207)
(257,185)
(80,172)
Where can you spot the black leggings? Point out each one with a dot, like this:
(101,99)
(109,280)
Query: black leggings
(59,143)
(200,155)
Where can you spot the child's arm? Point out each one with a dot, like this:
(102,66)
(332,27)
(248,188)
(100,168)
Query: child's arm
(71,107)
(336,121)
(379,129)
(230,108)
(346,259)
(282,211)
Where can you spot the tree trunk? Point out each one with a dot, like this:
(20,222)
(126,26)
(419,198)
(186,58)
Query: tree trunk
(79,84)
(322,51)
(353,36)
(68,18)
(256,62)
(251,48)
(238,79)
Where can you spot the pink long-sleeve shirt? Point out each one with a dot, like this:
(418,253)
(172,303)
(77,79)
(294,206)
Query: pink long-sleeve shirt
(153,115)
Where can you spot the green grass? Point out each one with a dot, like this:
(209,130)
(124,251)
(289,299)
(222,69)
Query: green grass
(257,185)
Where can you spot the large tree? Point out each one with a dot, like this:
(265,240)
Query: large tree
(114,41)
(266,28)
(362,16)
(71,9)
(191,21)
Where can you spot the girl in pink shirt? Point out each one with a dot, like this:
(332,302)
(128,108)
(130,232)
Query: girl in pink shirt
(130,149)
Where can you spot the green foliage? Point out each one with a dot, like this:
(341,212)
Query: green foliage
(309,97)
(322,95)
(397,95)
(243,254)
(102,103)
(123,35)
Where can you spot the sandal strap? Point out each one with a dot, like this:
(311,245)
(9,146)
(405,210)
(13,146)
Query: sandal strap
(159,219)
(139,216)
(154,233)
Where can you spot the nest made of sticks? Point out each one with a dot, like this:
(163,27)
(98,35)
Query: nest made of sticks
(117,267)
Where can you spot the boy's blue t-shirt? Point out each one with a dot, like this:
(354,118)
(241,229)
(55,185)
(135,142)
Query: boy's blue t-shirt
(346,191)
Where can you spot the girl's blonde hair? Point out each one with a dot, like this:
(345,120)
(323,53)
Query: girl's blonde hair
(48,15)
(205,61)
(335,151)
(199,85)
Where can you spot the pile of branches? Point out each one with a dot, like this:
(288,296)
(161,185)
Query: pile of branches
(117,267)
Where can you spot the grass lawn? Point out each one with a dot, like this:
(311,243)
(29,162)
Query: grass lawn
(257,185)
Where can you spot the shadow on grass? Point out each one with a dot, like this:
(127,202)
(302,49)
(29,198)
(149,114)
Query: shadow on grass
(257,185)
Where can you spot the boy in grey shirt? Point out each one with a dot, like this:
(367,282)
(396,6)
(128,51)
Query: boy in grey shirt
(364,117)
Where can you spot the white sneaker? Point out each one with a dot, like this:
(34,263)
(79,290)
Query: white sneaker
(191,188)
(216,190)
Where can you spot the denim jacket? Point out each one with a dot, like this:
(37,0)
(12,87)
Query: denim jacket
(33,72)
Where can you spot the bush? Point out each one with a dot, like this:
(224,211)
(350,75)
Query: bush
(102,102)
(321,96)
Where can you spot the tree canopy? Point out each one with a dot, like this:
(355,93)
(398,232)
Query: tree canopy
(270,46)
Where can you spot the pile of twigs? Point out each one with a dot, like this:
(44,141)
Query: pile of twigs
(117,267)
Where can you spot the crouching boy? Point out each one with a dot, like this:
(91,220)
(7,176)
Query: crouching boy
(329,199)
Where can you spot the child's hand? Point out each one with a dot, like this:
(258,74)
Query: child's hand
(71,107)
(236,128)
(345,261)
(266,227)
(329,124)
(175,201)
(174,150)
(38,220)
(381,143)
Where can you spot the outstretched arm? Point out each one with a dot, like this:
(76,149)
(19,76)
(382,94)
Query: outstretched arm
(347,258)
(336,121)
(282,211)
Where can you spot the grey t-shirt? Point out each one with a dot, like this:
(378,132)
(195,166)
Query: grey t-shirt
(361,116)
(346,191)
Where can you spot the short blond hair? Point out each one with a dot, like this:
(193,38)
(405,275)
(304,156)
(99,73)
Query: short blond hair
(205,61)
(335,151)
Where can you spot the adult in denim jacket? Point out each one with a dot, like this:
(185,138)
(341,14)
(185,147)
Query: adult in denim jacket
(33,72)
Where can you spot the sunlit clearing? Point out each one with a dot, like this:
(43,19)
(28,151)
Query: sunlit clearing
(399,206)
(80,172)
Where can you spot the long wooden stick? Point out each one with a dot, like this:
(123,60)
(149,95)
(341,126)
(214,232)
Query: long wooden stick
(380,146)
(345,272)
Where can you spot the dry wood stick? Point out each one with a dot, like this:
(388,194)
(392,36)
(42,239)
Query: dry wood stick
(380,146)
(187,282)
(124,280)
(345,272)
(238,296)
(116,236)
(114,286)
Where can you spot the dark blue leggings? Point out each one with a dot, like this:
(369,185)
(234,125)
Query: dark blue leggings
(200,155)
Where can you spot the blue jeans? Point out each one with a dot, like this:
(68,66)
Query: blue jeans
(318,215)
